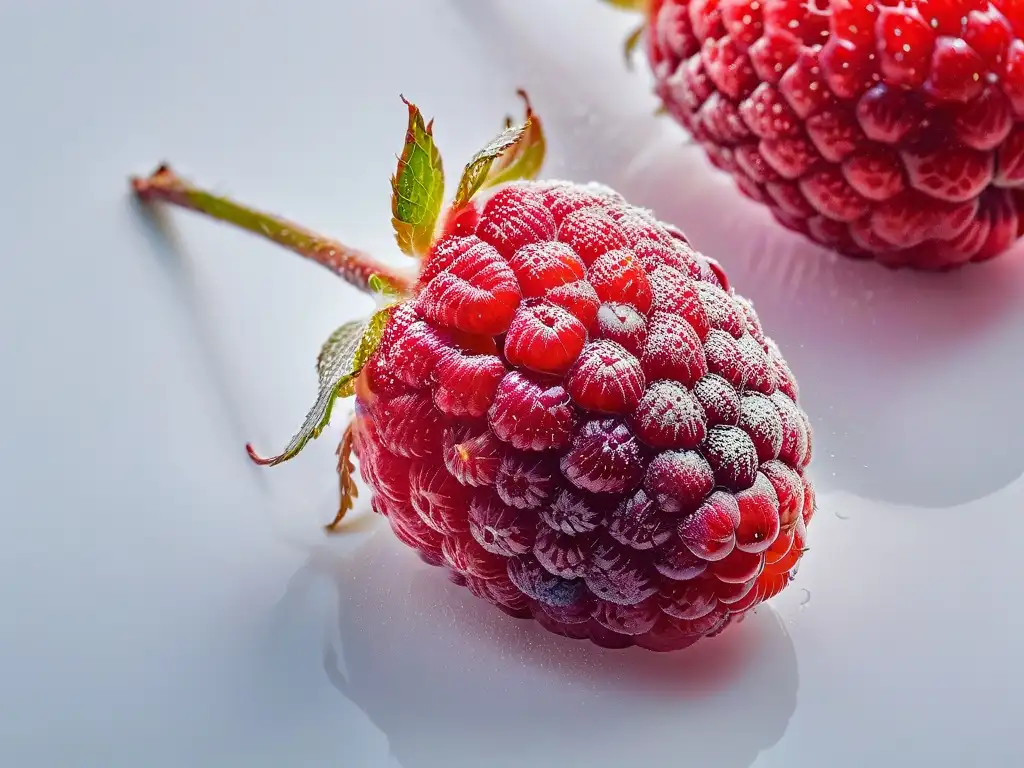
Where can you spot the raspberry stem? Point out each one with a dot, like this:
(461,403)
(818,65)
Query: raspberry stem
(354,266)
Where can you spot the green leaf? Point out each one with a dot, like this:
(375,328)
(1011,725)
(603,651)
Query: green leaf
(475,174)
(524,159)
(371,337)
(340,361)
(339,351)
(417,188)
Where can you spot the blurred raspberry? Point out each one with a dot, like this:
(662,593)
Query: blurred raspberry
(885,130)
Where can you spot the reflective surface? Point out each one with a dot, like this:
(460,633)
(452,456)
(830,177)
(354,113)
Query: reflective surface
(167,603)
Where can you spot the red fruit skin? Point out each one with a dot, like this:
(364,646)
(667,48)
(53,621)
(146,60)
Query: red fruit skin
(628,473)
(881,129)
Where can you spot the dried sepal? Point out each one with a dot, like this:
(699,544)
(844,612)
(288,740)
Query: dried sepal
(630,44)
(629,5)
(417,188)
(349,491)
(524,159)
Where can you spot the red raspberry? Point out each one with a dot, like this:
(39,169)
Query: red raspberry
(638,475)
(567,407)
(883,130)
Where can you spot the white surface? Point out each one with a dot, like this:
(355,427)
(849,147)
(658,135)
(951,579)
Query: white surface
(165,603)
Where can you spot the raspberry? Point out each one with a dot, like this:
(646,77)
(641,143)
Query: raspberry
(649,470)
(881,130)
(569,409)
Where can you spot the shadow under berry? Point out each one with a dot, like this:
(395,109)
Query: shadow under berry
(909,379)
(453,682)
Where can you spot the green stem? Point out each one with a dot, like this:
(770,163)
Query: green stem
(356,267)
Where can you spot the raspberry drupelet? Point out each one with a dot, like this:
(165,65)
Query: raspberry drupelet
(890,130)
(571,411)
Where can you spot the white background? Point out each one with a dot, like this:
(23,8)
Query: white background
(166,603)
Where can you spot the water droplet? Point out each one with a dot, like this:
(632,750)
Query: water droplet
(840,515)
(806,599)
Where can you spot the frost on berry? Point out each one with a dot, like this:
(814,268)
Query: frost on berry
(638,523)
(618,277)
(417,352)
(591,233)
(561,554)
(572,511)
(669,416)
(732,456)
(539,267)
(719,399)
(443,253)
(673,350)
(654,254)
(795,446)
(530,414)
(741,362)
(579,298)
(676,562)
(624,325)
(604,458)
(605,378)
(515,217)
(579,420)
(678,481)
(525,481)
(676,295)
(564,198)
(620,575)
(759,418)
(499,528)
